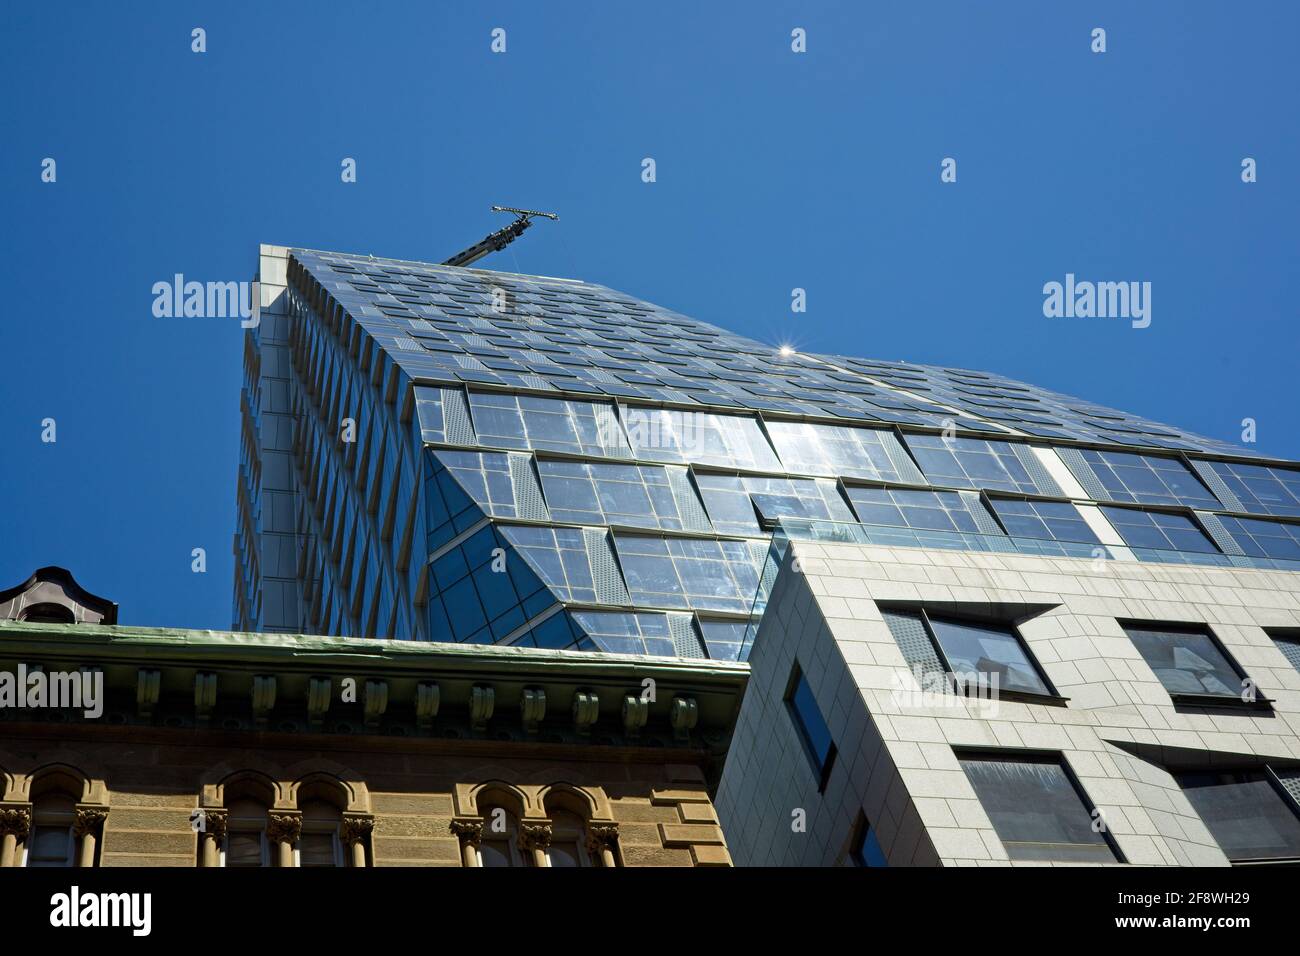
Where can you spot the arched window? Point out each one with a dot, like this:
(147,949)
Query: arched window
(568,841)
(246,843)
(48,613)
(51,842)
(499,845)
(319,844)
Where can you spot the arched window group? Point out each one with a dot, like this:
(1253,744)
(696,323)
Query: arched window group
(503,834)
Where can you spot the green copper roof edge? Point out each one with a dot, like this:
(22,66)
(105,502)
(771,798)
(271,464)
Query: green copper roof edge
(178,644)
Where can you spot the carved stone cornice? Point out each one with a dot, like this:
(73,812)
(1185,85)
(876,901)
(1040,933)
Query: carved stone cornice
(16,820)
(601,836)
(356,829)
(88,820)
(534,836)
(283,827)
(469,831)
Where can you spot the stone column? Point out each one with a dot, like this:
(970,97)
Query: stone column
(85,829)
(470,833)
(283,828)
(535,838)
(355,831)
(211,832)
(600,842)
(15,824)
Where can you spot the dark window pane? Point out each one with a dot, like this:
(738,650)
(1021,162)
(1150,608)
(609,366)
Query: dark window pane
(1187,662)
(1037,812)
(1249,818)
(989,652)
(812,726)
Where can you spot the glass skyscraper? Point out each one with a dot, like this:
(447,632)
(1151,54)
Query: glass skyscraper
(453,454)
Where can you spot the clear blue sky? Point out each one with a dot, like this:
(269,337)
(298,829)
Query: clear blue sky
(775,170)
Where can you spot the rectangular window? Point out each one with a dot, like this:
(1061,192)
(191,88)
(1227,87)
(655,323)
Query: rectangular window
(688,573)
(973,463)
(836,450)
(1261,489)
(912,508)
(730,441)
(1148,479)
(1260,538)
(1050,520)
(1160,536)
(1191,664)
(1248,813)
(1036,808)
(810,723)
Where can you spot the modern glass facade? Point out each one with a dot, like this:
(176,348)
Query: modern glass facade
(447,454)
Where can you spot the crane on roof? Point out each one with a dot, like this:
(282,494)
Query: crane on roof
(501,238)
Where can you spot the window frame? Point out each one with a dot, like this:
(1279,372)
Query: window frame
(1279,788)
(1052,698)
(821,768)
(862,832)
(1178,698)
(1055,757)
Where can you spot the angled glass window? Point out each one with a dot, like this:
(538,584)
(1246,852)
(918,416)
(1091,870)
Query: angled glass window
(603,493)
(503,420)
(912,508)
(479,593)
(1051,520)
(1189,662)
(449,510)
(1037,811)
(736,504)
(485,476)
(627,632)
(672,435)
(558,556)
(866,848)
(1260,538)
(1249,815)
(557,632)
(1262,489)
(688,573)
(811,726)
(723,639)
(987,653)
(1158,536)
(972,463)
(1148,479)
(834,450)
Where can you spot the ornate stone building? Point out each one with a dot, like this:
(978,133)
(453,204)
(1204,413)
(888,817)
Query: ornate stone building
(220,749)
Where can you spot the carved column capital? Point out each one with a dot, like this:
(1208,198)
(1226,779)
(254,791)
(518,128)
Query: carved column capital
(469,831)
(212,821)
(356,829)
(601,836)
(16,820)
(282,827)
(88,820)
(534,836)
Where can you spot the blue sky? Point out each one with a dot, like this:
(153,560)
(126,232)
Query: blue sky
(775,170)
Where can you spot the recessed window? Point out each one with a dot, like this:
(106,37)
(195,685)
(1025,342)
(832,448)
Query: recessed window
(814,732)
(1289,645)
(866,849)
(1036,809)
(1191,664)
(979,658)
(1248,813)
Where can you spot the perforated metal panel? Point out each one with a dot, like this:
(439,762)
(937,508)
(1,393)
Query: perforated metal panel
(685,641)
(529,502)
(610,587)
(1083,473)
(456,421)
(1042,477)
(1291,781)
(1227,544)
(983,520)
(689,506)
(1290,648)
(918,649)
(903,464)
(610,431)
(1217,485)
